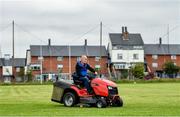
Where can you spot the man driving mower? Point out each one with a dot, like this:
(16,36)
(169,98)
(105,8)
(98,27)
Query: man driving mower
(102,92)
(81,70)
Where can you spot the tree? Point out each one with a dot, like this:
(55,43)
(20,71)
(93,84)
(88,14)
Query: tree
(171,69)
(21,72)
(124,73)
(138,70)
(29,75)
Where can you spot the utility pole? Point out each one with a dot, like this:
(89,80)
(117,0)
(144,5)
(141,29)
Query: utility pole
(0,52)
(168,36)
(41,59)
(50,62)
(100,39)
(13,43)
(100,46)
(69,62)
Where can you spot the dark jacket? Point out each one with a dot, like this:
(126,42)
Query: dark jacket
(81,69)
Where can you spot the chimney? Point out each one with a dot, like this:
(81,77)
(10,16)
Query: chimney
(122,29)
(125,34)
(125,29)
(49,42)
(85,42)
(160,40)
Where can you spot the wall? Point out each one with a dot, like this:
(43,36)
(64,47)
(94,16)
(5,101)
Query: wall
(50,64)
(1,74)
(161,60)
(127,56)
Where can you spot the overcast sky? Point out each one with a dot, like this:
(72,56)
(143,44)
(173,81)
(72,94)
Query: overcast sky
(71,21)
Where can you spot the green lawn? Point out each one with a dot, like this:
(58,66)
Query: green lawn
(139,99)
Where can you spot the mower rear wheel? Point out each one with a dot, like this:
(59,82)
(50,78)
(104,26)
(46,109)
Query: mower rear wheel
(101,103)
(69,99)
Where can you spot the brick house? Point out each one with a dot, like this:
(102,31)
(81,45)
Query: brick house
(158,54)
(9,68)
(60,59)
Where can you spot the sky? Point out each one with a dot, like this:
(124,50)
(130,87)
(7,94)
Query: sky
(70,22)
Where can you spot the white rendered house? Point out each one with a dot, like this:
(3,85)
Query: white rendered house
(125,49)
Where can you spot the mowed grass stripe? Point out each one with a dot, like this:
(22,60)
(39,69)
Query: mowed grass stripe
(158,99)
(153,93)
(19,94)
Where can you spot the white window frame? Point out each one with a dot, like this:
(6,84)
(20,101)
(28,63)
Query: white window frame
(115,47)
(135,56)
(137,47)
(119,56)
(17,69)
(97,66)
(155,65)
(174,63)
(119,66)
(173,57)
(59,66)
(97,58)
(155,56)
(78,58)
(40,58)
(35,67)
(60,58)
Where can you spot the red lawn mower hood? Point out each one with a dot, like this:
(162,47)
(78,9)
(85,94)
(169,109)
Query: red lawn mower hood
(104,82)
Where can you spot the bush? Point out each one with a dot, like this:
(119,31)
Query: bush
(154,80)
(171,69)
(124,74)
(29,75)
(138,70)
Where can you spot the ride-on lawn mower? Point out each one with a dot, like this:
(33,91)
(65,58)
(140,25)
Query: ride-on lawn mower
(105,93)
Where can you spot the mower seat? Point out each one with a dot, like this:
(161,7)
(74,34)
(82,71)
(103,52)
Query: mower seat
(78,82)
(76,79)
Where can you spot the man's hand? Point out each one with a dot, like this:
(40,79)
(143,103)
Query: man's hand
(95,73)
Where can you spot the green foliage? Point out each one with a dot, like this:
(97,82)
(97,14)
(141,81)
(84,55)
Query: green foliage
(29,75)
(138,70)
(154,80)
(124,73)
(21,73)
(97,69)
(170,68)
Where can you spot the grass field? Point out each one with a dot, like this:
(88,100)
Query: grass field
(156,99)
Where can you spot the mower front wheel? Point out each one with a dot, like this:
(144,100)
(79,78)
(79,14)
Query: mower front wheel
(117,102)
(69,99)
(101,103)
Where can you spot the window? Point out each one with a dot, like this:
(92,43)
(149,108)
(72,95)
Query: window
(17,69)
(137,47)
(40,58)
(59,58)
(135,56)
(97,66)
(119,66)
(173,56)
(35,66)
(155,56)
(97,58)
(119,56)
(59,66)
(115,47)
(155,65)
(174,63)
(78,58)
